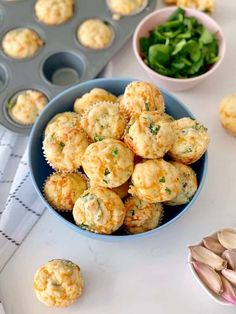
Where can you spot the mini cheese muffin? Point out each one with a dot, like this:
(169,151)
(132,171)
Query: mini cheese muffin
(191,141)
(189,185)
(155,181)
(58,283)
(21,43)
(108,163)
(64,147)
(126,7)
(142,96)
(99,210)
(25,106)
(62,189)
(54,12)
(141,216)
(202,5)
(122,190)
(103,120)
(63,120)
(149,135)
(95,34)
(95,95)
(228,114)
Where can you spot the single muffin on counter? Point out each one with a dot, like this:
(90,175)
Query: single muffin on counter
(63,189)
(83,103)
(141,216)
(58,283)
(228,114)
(54,12)
(21,43)
(26,105)
(99,210)
(95,34)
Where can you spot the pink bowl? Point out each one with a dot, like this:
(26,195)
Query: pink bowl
(159,17)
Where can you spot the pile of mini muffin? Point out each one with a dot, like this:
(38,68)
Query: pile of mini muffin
(118,160)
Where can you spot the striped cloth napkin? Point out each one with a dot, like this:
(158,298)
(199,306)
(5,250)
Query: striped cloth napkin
(20,208)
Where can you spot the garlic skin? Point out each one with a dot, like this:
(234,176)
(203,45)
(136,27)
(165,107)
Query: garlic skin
(229,275)
(230,257)
(229,293)
(201,254)
(209,277)
(227,238)
(213,245)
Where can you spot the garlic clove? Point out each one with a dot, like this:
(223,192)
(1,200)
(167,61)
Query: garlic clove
(230,257)
(213,245)
(229,275)
(229,292)
(209,277)
(227,238)
(201,254)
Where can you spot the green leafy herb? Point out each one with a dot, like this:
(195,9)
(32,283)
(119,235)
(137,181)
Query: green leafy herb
(168,190)
(98,138)
(188,150)
(115,152)
(10,105)
(181,47)
(200,126)
(85,195)
(154,128)
(147,106)
(106,172)
(84,226)
(62,145)
(162,180)
(104,180)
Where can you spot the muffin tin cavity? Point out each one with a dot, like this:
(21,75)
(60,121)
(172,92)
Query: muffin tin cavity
(62,59)
(64,68)
(3,78)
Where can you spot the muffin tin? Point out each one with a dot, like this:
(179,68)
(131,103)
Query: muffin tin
(62,61)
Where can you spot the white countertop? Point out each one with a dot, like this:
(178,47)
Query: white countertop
(147,275)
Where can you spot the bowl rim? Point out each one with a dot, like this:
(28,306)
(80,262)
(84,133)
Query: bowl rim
(111,238)
(215,297)
(170,9)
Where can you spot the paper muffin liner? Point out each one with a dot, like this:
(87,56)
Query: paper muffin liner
(60,209)
(159,223)
(119,14)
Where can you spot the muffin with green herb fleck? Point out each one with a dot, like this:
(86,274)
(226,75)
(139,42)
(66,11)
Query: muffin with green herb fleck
(99,210)
(142,96)
(108,163)
(64,120)
(191,141)
(58,283)
(141,216)
(103,120)
(61,190)
(155,181)
(96,95)
(26,105)
(188,184)
(64,147)
(149,135)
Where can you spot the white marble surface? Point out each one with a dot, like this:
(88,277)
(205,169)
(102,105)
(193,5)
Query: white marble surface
(149,275)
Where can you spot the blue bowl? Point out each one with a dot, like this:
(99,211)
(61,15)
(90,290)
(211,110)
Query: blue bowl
(40,170)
